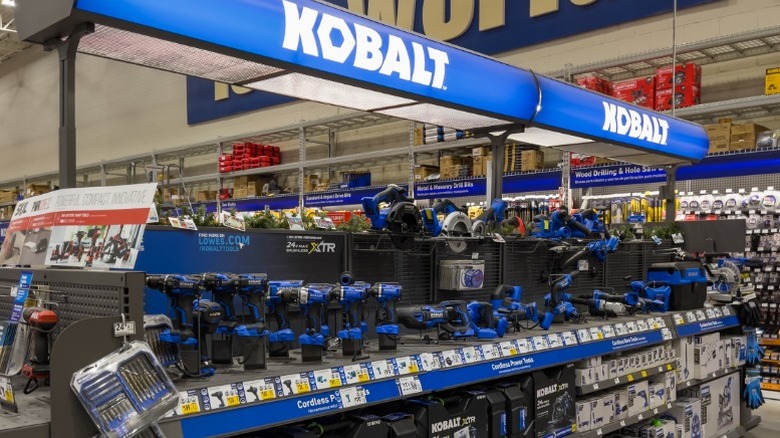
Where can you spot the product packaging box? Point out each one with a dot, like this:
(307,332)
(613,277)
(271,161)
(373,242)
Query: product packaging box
(667,429)
(588,363)
(720,404)
(607,407)
(465,415)
(518,422)
(621,404)
(687,411)
(583,415)
(421,172)
(744,136)
(640,92)
(596,414)
(720,137)
(595,83)
(531,160)
(480,152)
(684,74)
(479,168)
(685,351)
(683,96)
(638,398)
(584,377)
(450,160)
(708,355)
(554,411)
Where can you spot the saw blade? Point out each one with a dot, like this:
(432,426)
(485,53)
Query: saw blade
(457,245)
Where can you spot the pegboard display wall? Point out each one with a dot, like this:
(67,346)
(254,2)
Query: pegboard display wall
(80,294)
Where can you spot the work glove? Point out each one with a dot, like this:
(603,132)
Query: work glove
(754,352)
(752,393)
(749,313)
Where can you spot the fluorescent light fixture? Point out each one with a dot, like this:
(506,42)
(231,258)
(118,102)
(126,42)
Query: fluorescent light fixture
(152,52)
(329,92)
(441,116)
(545,138)
(9,3)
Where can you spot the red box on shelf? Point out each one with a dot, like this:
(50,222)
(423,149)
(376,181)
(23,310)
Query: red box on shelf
(277,154)
(225,158)
(684,96)
(595,83)
(685,74)
(640,92)
(225,169)
(276,149)
(265,159)
(275,161)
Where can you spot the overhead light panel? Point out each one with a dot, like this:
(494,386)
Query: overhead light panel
(443,116)
(9,3)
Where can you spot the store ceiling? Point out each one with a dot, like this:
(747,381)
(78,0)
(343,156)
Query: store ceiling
(9,43)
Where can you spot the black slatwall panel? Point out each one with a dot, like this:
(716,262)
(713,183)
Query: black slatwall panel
(628,260)
(488,251)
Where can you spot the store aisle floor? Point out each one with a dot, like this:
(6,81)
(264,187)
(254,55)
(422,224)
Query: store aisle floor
(770,417)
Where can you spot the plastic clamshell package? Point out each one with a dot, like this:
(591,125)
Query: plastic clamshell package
(14,341)
(126,391)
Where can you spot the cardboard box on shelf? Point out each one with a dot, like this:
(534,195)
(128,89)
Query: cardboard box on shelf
(686,95)
(480,151)
(448,172)
(36,189)
(532,160)
(720,137)
(744,136)
(772,81)
(596,83)
(421,172)
(640,92)
(8,195)
(449,160)
(719,404)
(480,166)
(687,411)
(685,74)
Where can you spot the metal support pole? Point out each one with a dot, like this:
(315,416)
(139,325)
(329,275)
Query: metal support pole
(301,161)
(66,50)
(668,193)
(566,180)
(496,172)
(412,161)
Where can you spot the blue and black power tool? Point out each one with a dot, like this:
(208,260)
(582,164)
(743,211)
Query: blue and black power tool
(182,291)
(387,296)
(223,345)
(400,217)
(559,225)
(252,333)
(506,301)
(313,299)
(490,218)
(280,294)
(592,219)
(450,319)
(351,297)
(558,302)
(486,324)
(456,221)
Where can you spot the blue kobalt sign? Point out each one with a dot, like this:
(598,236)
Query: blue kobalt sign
(486,26)
(318,39)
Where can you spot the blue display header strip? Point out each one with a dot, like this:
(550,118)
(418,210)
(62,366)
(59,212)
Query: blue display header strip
(299,35)
(532,182)
(707,326)
(568,108)
(284,411)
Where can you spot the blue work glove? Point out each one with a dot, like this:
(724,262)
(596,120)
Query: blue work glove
(752,393)
(754,352)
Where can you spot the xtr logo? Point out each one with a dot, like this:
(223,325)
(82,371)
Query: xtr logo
(323,247)
(313,33)
(624,121)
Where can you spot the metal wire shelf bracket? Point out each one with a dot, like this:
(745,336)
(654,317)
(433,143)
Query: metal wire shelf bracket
(725,48)
(742,108)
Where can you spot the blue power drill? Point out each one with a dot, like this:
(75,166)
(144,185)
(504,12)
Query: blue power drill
(387,296)
(351,297)
(181,290)
(558,302)
(223,293)
(506,304)
(281,293)
(313,299)
(484,321)
(252,289)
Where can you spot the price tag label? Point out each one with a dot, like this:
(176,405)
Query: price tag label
(655,411)
(450,358)
(661,322)
(771,287)
(295,384)
(642,326)
(718,312)
(259,390)
(508,349)
(409,385)
(596,334)
(429,362)
(595,386)
(569,338)
(188,403)
(583,335)
(352,374)
(630,378)
(668,367)
(643,373)
(608,331)
(302,387)
(631,326)
(617,381)
(233,400)
(406,365)
(352,396)
(622,423)
(330,378)
(726,311)
(700,316)
(678,319)
(666,334)
(690,317)
(524,345)
(382,369)
(540,343)
(554,340)
(469,355)
(640,417)
(621,329)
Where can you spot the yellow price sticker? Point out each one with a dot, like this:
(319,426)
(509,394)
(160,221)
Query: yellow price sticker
(334,382)
(267,394)
(668,367)
(233,400)
(190,408)
(413,367)
(513,351)
(9,395)
(630,377)
(363,377)
(302,387)
(644,373)
(600,336)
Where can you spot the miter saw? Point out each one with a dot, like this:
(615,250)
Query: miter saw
(456,223)
(726,279)
(399,215)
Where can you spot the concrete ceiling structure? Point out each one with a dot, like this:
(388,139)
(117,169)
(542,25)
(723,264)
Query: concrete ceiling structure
(9,42)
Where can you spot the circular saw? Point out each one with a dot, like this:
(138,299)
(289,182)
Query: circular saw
(455,226)
(726,281)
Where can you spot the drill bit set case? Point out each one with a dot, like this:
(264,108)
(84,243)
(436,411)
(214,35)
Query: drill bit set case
(126,391)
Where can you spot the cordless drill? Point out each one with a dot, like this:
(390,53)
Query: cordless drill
(281,293)
(313,300)
(252,289)
(387,296)
(42,321)
(351,298)
(223,293)
(207,315)
(181,290)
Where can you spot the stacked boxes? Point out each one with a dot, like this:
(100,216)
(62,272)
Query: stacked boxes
(708,355)
(687,412)
(481,158)
(249,156)
(720,136)
(598,369)
(248,186)
(452,166)
(422,172)
(531,160)
(720,404)
(683,86)
(8,195)
(640,92)
(744,136)
(595,83)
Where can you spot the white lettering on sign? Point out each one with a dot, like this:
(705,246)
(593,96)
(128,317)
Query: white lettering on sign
(391,57)
(629,122)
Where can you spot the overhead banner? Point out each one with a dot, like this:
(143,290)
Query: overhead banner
(615,175)
(486,26)
(451,189)
(97,227)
